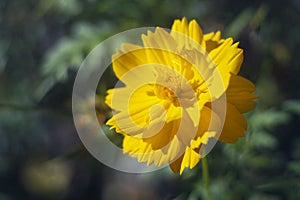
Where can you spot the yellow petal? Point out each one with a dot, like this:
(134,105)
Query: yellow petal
(160,39)
(176,165)
(160,47)
(209,119)
(209,125)
(187,35)
(187,130)
(239,94)
(180,26)
(120,99)
(122,62)
(190,159)
(239,83)
(203,139)
(211,41)
(235,125)
(163,137)
(124,124)
(173,113)
(143,151)
(195,31)
(133,112)
(228,57)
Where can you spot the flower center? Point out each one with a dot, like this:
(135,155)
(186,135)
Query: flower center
(172,86)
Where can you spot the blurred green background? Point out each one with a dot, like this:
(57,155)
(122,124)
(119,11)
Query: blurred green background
(42,44)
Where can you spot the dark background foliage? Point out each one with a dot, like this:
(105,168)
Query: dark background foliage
(42,44)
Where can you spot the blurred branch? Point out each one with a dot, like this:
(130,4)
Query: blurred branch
(247,18)
(32,108)
(259,16)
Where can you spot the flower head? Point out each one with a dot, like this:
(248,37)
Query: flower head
(181,89)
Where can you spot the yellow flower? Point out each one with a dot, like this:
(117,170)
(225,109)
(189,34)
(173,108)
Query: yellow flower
(165,110)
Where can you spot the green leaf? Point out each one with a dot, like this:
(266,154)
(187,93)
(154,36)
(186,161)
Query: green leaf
(292,106)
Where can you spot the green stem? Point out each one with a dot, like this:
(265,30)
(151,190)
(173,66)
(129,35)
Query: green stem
(205,175)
